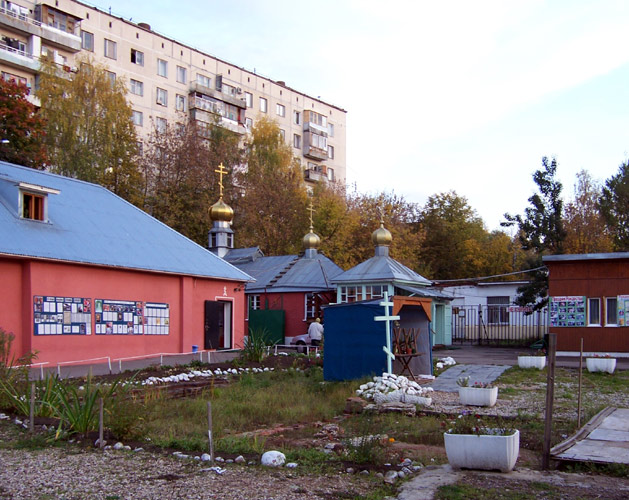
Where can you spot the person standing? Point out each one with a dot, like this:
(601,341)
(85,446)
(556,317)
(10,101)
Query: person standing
(315,332)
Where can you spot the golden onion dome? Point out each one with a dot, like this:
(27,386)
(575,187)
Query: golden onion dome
(221,211)
(381,236)
(311,240)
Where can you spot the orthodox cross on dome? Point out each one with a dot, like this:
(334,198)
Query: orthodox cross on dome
(221,170)
(311,210)
(386,303)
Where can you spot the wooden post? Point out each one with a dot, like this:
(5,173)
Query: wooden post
(101,444)
(209,430)
(580,378)
(31,417)
(550,392)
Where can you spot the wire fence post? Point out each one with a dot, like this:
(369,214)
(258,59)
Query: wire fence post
(209,430)
(31,416)
(550,393)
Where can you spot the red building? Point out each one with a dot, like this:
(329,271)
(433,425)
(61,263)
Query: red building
(589,300)
(86,274)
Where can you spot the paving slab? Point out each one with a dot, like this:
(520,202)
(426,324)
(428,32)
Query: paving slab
(486,374)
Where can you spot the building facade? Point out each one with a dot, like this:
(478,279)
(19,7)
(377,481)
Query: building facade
(169,81)
(87,275)
(589,300)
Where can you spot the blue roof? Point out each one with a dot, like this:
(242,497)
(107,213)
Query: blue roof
(88,224)
(381,268)
(288,273)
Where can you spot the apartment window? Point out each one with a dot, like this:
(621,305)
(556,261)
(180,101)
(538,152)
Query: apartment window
(249,99)
(162,68)
(136,87)
(594,312)
(330,129)
(283,134)
(9,77)
(180,102)
(331,174)
(182,74)
(248,123)
(318,141)
(296,141)
(138,118)
(331,152)
(137,57)
(310,306)
(263,104)
(87,40)
(162,97)
(611,311)
(296,117)
(33,206)
(317,119)
(110,49)
(161,124)
(254,302)
(498,310)
(203,80)
(280,110)
(112,78)
(140,147)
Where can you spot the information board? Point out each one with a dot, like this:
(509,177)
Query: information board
(567,311)
(157,319)
(118,317)
(623,310)
(62,315)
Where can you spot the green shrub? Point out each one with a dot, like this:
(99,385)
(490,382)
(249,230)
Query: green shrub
(255,347)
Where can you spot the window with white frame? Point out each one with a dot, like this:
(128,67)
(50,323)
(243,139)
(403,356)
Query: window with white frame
(137,117)
(111,76)
(249,99)
(248,123)
(162,97)
(182,74)
(280,110)
(296,117)
(87,40)
(161,124)
(162,68)
(254,302)
(350,294)
(137,57)
(594,312)
(331,152)
(136,87)
(611,311)
(203,80)
(331,174)
(180,102)
(283,134)
(296,141)
(331,129)
(498,310)
(263,105)
(374,292)
(110,49)
(310,306)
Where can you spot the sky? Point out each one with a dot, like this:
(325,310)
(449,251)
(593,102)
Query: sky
(462,95)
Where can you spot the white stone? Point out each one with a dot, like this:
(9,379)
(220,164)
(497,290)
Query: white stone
(273,459)
(205,457)
(118,446)
(291,465)
(239,459)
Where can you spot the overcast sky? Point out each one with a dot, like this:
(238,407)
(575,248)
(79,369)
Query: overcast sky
(463,95)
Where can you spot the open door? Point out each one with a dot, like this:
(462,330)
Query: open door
(217,325)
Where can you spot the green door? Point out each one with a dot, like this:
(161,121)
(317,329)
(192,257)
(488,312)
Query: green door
(269,321)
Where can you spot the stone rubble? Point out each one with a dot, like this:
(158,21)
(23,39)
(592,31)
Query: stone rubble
(392,388)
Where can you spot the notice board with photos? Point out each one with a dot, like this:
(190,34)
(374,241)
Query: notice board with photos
(127,317)
(567,311)
(62,315)
(623,310)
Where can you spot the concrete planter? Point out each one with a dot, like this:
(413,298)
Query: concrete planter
(601,364)
(476,396)
(538,362)
(470,451)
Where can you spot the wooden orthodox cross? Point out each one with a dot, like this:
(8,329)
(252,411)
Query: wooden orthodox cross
(386,303)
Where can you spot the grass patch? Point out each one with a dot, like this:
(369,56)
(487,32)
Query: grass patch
(468,492)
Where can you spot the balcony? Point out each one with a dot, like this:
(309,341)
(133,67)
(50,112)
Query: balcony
(18,58)
(315,153)
(220,96)
(315,176)
(56,36)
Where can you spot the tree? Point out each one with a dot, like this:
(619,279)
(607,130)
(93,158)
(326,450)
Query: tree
(614,206)
(179,164)
(21,127)
(541,231)
(89,132)
(585,226)
(273,211)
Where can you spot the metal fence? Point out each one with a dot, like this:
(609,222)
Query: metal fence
(498,325)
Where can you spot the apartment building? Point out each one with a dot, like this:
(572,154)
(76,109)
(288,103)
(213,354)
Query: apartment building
(169,81)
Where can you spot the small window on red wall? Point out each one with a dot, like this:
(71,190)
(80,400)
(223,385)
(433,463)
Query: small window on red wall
(33,206)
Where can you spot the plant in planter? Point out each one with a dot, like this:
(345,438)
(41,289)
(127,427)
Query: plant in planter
(534,360)
(601,363)
(478,394)
(473,444)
